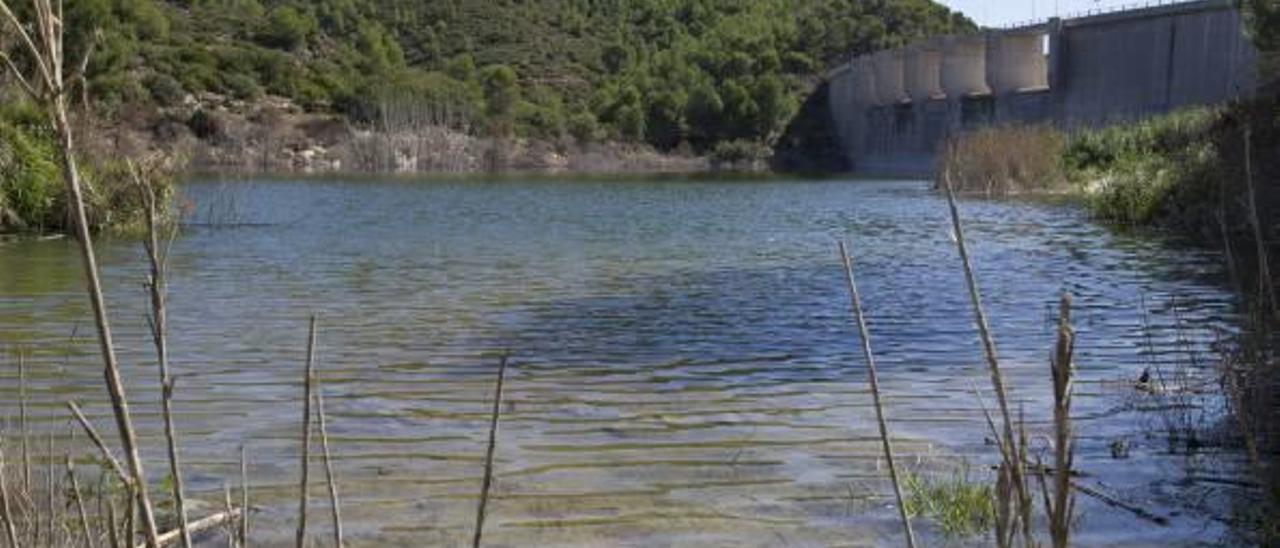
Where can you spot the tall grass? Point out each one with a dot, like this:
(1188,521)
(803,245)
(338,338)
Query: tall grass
(999,161)
(961,505)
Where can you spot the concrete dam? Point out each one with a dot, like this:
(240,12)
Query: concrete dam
(894,110)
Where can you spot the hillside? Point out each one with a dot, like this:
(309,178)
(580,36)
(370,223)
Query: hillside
(670,73)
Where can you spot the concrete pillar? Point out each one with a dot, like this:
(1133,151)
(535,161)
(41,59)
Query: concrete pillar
(923,68)
(890,84)
(864,82)
(964,66)
(1016,62)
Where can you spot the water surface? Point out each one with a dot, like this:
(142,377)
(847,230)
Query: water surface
(684,368)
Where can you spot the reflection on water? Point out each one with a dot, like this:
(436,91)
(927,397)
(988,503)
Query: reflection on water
(685,369)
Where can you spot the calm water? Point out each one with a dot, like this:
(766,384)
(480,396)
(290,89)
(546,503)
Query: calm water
(684,373)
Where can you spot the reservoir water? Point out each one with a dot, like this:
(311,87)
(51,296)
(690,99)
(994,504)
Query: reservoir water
(684,368)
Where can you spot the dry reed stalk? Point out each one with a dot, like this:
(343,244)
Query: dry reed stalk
(6,509)
(1017,475)
(335,503)
(23,501)
(230,524)
(1228,252)
(856,302)
(157,285)
(1064,447)
(79,502)
(244,498)
(131,514)
(113,529)
(1265,284)
(22,422)
(47,55)
(487,483)
(105,451)
(50,507)
(304,482)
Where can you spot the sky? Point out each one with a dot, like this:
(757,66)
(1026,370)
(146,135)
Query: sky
(1002,12)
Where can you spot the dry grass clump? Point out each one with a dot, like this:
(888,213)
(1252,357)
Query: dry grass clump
(1006,160)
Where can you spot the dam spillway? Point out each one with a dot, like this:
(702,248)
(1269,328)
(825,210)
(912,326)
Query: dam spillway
(894,109)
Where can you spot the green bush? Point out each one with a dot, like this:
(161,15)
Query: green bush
(165,89)
(584,128)
(287,28)
(241,86)
(1147,171)
(738,152)
(30,181)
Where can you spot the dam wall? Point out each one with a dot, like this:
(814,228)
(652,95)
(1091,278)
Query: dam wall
(894,109)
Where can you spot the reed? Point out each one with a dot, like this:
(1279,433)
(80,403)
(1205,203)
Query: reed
(85,529)
(22,422)
(1266,286)
(1015,508)
(48,86)
(487,482)
(6,506)
(244,498)
(873,379)
(230,523)
(1062,508)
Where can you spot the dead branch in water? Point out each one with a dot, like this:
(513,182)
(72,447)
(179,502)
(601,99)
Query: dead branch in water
(487,483)
(856,302)
(304,482)
(50,90)
(334,502)
(197,526)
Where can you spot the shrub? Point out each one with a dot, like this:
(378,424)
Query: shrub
(584,127)
(30,191)
(165,89)
(287,28)
(241,86)
(739,153)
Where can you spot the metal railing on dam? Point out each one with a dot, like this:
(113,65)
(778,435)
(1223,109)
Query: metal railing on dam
(894,109)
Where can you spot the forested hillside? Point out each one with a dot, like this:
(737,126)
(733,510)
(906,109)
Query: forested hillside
(667,72)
